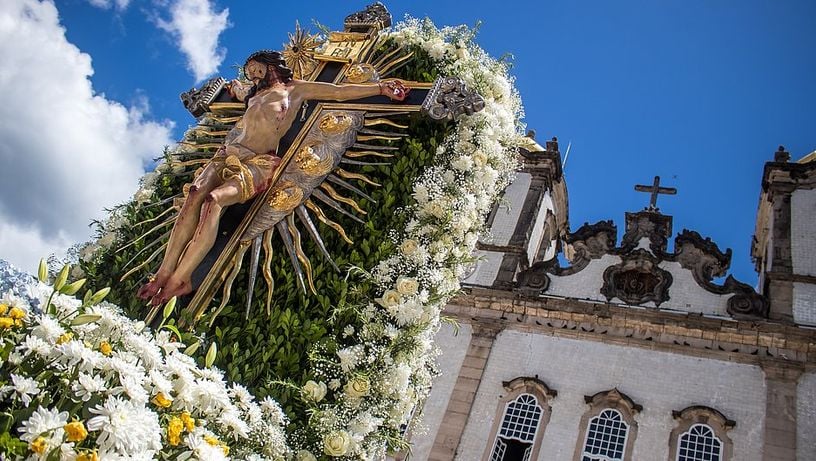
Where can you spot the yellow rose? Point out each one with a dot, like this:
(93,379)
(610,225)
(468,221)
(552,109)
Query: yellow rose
(407,285)
(174,429)
(88,456)
(161,401)
(75,431)
(65,337)
(313,391)
(105,348)
(409,247)
(389,299)
(358,387)
(189,421)
(16,313)
(3,309)
(6,323)
(39,445)
(337,443)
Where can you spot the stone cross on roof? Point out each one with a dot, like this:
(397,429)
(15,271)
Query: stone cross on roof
(655,189)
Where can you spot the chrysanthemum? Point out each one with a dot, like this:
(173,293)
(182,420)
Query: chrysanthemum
(125,427)
(42,422)
(48,328)
(87,385)
(24,387)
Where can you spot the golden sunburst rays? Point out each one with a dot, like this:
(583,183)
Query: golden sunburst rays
(299,52)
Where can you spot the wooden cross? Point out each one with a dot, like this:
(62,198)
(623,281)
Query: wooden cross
(655,189)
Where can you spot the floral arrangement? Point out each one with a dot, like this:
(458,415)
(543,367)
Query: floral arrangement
(363,394)
(81,382)
(370,359)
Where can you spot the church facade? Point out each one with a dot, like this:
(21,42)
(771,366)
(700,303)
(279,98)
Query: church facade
(630,352)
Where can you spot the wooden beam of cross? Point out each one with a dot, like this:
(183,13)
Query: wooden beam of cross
(655,189)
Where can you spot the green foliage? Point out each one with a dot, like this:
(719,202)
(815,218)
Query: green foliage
(272,348)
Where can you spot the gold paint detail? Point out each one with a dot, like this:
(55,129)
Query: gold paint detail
(366,153)
(300,51)
(322,217)
(395,64)
(218,106)
(348,175)
(311,163)
(285,196)
(383,121)
(164,223)
(348,36)
(209,145)
(236,263)
(335,123)
(301,256)
(145,263)
(361,73)
(375,137)
(350,202)
(267,269)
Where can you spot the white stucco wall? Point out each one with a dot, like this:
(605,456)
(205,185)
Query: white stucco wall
(659,381)
(803,231)
(806,418)
(454,348)
(804,303)
(487,268)
(510,205)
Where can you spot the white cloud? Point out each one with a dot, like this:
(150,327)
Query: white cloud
(107,4)
(196,26)
(65,152)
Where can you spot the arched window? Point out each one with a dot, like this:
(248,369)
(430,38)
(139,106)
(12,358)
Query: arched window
(700,435)
(699,444)
(608,428)
(524,412)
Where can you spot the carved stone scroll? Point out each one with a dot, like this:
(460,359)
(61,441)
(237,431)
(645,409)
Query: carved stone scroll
(450,97)
(746,302)
(654,226)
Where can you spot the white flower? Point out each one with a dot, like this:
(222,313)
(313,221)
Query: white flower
(210,397)
(202,450)
(87,385)
(126,427)
(35,345)
(407,285)
(349,357)
(273,410)
(389,299)
(47,328)
(337,443)
(313,391)
(409,247)
(357,387)
(75,353)
(305,455)
(231,421)
(43,421)
(25,387)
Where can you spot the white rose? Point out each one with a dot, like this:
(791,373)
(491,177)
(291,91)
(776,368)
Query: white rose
(305,455)
(313,391)
(358,387)
(479,158)
(389,299)
(337,443)
(407,285)
(409,247)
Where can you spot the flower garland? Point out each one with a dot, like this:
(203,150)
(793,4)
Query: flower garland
(81,382)
(364,394)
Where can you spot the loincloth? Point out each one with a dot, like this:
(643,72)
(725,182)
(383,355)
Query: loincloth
(252,172)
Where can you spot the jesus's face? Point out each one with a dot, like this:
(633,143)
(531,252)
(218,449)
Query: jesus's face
(255,71)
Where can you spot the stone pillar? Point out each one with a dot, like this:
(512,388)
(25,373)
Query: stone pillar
(780,412)
(779,285)
(464,392)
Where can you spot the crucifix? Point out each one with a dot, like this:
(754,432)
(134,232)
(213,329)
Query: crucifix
(343,96)
(655,189)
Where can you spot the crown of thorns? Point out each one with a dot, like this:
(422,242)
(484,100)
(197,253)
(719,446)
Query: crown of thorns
(265,56)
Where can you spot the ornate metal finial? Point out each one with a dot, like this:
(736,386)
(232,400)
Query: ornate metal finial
(198,101)
(450,97)
(374,16)
(299,52)
(655,189)
(781,155)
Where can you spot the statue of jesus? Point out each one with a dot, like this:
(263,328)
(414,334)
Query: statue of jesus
(243,167)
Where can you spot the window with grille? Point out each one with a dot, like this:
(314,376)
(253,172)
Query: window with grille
(606,437)
(518,430)
(699,444)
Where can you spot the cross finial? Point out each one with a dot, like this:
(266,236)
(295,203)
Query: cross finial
(655,189)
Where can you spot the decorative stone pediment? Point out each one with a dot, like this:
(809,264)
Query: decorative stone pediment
(637,280)
(701,256)
(613,398)
(646,224)
(704,415)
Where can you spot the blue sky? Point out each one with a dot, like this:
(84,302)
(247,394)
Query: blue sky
(698,92)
